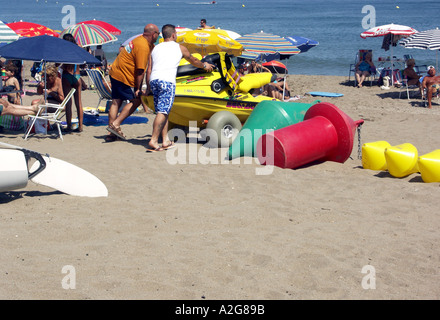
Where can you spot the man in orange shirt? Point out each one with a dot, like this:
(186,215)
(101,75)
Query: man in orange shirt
(126,76)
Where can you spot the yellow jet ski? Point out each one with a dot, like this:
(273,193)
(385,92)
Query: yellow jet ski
(220,100)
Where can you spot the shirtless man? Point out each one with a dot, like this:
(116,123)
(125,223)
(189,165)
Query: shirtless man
(431,83)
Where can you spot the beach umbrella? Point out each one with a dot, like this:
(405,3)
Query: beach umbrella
(47,49)
(266,46)
(89,35)
(7,35)
(427,40)
(391,33)
(205,42)
(231,34)
(303,44)
(105,25)
(183,29)
(276,67)
(30,29)
(137,35)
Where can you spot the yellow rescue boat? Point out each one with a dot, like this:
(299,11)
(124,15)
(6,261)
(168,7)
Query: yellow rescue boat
(221,100)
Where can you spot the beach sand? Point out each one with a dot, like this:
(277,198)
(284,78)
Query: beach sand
(220,231)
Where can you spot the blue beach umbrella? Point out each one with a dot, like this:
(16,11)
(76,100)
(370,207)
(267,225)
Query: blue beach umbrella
(303,44)
(47,49)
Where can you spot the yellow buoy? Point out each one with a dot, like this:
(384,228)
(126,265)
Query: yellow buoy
(373,156)
(401,160)
(429,166)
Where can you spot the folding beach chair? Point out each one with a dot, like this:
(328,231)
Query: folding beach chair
(101,85)
(360,56)
(404,86)
(55,116)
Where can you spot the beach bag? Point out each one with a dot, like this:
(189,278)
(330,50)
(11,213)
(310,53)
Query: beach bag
(40,126)
(10,122)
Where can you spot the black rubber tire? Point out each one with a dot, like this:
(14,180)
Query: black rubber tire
(222,128)
(217,86)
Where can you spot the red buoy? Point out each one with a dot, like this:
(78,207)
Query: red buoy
(326,134)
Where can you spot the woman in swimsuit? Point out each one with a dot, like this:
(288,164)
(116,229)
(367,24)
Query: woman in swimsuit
(54,87)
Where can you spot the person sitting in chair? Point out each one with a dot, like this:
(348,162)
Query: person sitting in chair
(53,87)
(364,68)
(100,55)
(431,83)
(410,73)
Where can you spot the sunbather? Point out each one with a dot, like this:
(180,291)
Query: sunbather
(432,84)
(7,108)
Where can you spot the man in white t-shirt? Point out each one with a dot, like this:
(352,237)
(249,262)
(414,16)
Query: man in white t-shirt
(162,77)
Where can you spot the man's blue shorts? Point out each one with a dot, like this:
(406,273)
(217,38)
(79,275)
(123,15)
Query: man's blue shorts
(121,91)
(163,93)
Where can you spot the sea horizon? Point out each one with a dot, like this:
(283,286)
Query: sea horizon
(336,25)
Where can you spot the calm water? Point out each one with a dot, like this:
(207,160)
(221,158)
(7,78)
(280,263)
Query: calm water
(336,24)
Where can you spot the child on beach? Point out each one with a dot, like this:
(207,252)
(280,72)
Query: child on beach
(12,84)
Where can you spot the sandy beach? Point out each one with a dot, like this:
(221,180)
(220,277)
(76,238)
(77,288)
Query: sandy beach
(220,231)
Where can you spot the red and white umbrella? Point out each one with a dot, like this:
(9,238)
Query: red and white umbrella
(389,29)
(105,25)
(392,28)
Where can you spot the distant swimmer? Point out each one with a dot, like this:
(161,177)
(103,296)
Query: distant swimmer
(204,26)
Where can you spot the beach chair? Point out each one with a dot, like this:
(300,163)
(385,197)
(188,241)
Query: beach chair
(359,57)
(100,84)
(405,87)
(52,117)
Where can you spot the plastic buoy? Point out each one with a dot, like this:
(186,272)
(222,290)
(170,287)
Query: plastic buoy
(326,134)
(267,116)
(373,156)
(401,160)
(429,166)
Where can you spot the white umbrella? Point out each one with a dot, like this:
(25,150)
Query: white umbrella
(427,40)
(389,29)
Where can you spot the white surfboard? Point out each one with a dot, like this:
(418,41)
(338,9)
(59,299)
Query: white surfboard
(68,178)
(64,176)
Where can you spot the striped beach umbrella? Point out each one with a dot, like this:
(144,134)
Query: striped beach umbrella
(427,40)
(89,35)
(107,26)
(7,35)
(266,44)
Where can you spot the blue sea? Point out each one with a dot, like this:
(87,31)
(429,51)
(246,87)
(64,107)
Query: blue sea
(336,24)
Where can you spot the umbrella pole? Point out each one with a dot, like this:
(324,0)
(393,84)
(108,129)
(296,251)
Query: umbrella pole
(284,83)
(45,83)
(392,64)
